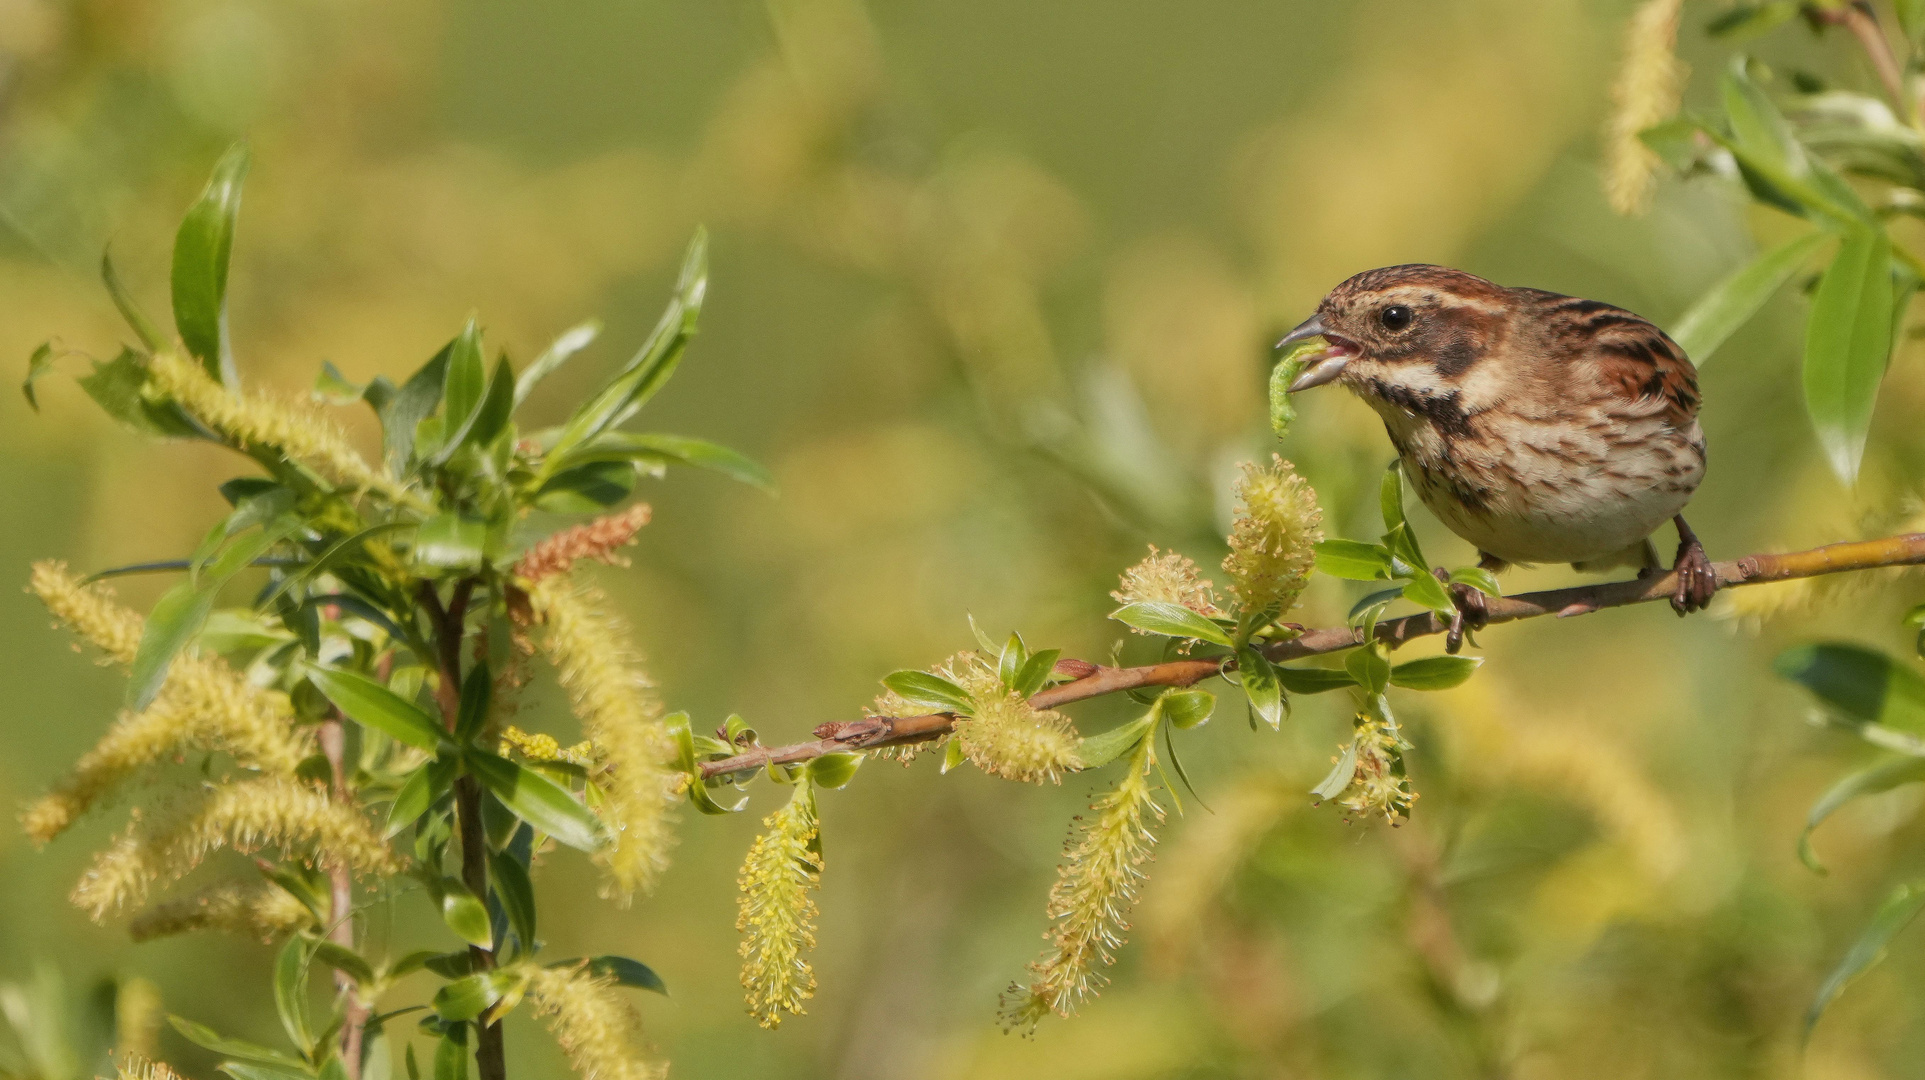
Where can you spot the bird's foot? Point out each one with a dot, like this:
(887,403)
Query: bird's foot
(1697,582)
(1472,612)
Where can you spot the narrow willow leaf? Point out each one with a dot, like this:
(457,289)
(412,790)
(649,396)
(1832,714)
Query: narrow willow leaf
(572,340)
(1861,685)
(586,489)
(1171,620)
(451,541)
(208,1039)
(1428,591)
(1434,672)
(1035,672)
(1313,680)
(413,403)
(1340,774)
(345,960)
(929,691)
(1733,301)
(201,251)
(1892,916)
(465,380)
(39,365)
(464,913)
(625,972)
(1369,668)
(1847,344)
(181,612)
(1390,500)
(290,993)
(1882,777)
(1353,560)
(477,693)
(673,449)
(370,704)
(1477,578)
(1263,687)
(538,801)
(150,336)
(1099,750)
(254,1070)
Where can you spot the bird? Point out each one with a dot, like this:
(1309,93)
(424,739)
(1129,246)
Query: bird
(1537,426)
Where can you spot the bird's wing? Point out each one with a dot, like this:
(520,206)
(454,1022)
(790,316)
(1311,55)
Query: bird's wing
(1635,361)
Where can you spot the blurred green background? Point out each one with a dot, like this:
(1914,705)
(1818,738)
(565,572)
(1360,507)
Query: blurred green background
(992,287)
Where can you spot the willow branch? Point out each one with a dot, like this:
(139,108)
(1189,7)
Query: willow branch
(1862,20)
(1092,681)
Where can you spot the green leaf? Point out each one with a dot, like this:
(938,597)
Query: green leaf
(464,381)
(1035,672)
(1847,344)
(413,403)
(1340,774)
(143,327)
(1884,776)
(373,705)
(464,912)
(572,340)
(1171,620)
(952,756)
(1185,709)
(451,541)
(538,801)
(1434,672)
(345,960)
(1313,680)
(208,1039)
(497,406)
(933,692)
(673,449)
(1390,501)
(1477,578)
(1263,687)
(1369,668)
(1892,916)
(517,896)
(585,489)
(1425,589)
(625,972)
(290,993)
(1733,301)
(1353,560)
(1768,150)
(477,692)
(1750,20)
(38,366)
(247,1070)
(699,794)
(1099,750)
(181,612)
(1859,684)
(466,998)
(651,367)
(118,387)
(1011,660)
(201,250)
(451,1054)
(335,388)
(833,771)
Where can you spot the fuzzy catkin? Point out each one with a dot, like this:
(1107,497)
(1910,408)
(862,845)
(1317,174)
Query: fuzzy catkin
(1097,884)
(1646,92)
(203,704)
(1005,736)
(265,912)
(1167,577)
(1273,539)
(622,718)
(245,816)
(776,915)
(596,1028)
(256,419)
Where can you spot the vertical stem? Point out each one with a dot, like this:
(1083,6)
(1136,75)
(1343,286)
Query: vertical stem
(449,630)
(340,908)
(1862,20)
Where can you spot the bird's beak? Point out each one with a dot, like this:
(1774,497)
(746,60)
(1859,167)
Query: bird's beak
(1322,367)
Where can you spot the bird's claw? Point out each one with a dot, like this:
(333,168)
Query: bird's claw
(1472,612)
(1697,581)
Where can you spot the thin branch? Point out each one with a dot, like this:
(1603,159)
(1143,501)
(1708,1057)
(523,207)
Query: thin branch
(1095,681)
(1862,20)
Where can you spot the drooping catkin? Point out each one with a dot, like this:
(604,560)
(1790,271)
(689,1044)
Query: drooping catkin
(1379,786)
(596,1028)
(776,915)
(255,419)
(265,912)
(1273,539)
(1167,577)
(246,816)
(1646,92)
(595,662)
(1095,887)
(202,705)
(1006,736)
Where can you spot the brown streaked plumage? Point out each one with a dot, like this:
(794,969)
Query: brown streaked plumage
(1540,427)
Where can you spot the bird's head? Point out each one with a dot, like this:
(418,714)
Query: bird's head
(1400,331)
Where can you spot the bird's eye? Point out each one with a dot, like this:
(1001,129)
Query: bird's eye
(1394,317)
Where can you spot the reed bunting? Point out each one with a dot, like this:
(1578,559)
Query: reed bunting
(1539,427)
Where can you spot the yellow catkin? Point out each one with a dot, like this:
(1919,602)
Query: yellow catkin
(259,420)
(246,816)
(540,746)
(776,915)
(1272,541)
(1006,736)
(1095,887)
(202,705)
(266,912)
(621,716)
(1167,577)
(595,1026)
(1378,787)
(138,1015)
(1646,92)
(139,1067)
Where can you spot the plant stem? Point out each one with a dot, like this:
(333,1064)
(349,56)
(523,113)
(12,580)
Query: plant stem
(1861,19)
(450,626)
(333,739)
(1095,681)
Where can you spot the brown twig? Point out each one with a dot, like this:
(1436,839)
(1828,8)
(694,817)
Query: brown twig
(1095,681)
(355,1012)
